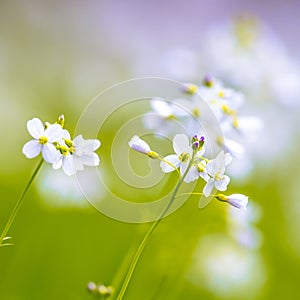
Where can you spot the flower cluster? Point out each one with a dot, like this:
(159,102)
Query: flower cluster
(190,161)
(189,111)
(57,147)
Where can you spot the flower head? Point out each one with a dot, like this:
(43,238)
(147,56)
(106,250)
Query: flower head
(236,200)
(76,154)
(43,139)
(215,170)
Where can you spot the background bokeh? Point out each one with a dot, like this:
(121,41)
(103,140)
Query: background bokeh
(55,56)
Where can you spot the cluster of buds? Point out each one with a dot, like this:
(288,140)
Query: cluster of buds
(100,290)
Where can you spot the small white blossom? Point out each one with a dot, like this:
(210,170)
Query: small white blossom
(74,155)
(43,140)
(215,170)
(181,159)
(84,152)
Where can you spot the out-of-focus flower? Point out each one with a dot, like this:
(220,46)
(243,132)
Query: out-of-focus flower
(162,119)
(226,269)
(241,225)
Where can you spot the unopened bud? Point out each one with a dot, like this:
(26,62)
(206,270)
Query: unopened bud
(61,120)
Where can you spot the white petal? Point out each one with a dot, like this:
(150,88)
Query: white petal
(35,128)
(221,185)
(66,134)
(32,149)
(54,132)
(50,153)
(96,144)
(250,124)
(192,175)
(90,160)
(233,147)
(228,159)
(78,163)
(181,144)
(173,159)
(68,165)
(217,165)
(58,163)
(205,176)
(83,146)
(208,188)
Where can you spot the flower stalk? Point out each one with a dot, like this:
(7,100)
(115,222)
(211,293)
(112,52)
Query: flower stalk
(13,214)
(147,236)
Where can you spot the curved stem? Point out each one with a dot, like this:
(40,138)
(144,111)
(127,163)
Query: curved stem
(146,238)
(18,205)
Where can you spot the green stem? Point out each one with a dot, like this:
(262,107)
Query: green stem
(18,205)
(146,238)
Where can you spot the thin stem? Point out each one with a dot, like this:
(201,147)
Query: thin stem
(185,194)
(18,205)
(148,235)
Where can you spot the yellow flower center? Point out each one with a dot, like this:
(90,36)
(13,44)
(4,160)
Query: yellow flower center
(184,157)
(63,150)
(43,140)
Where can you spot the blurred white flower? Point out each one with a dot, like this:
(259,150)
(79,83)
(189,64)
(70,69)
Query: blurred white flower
(162,119)
(58,190)
(262,65)
(227,269)
(241,225)
(43,140)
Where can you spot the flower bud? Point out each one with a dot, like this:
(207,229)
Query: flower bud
(61,120)
(197,143)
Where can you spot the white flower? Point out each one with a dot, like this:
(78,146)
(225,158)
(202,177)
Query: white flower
(43,139)
(84,152)
(215,170)
(74,155)
(181,159)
